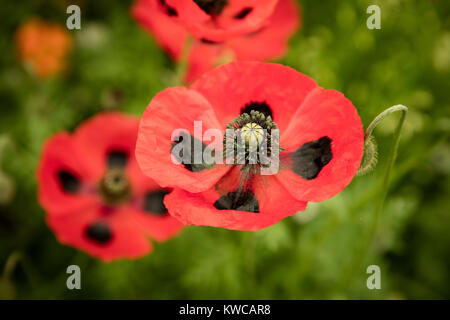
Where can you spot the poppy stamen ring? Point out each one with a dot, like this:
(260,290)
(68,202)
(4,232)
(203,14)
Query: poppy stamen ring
(253,132)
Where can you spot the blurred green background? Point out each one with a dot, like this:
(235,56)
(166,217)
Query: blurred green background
(317,253)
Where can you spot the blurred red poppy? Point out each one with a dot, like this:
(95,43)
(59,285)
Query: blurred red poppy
(218,20)
(95,195)
(321,136)
(43,47)
(269,41)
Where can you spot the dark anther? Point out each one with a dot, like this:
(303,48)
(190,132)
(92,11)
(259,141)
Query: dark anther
(99,232)
(117,159)
(68,181)
(153,202)
(169,10)
(188,159)
(243,13)
(212,6)
(310,158)
(262,107)
(238,200)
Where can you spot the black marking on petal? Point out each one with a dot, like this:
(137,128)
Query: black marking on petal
(207,41)
(262,107)
(99,232)
(243,13)
(170,11)
(238,200)
(117,159)
(154,202)
(68,181)
(189,164)
(310,158)
(212,6)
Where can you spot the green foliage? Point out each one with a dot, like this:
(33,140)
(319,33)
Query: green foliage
(117,66)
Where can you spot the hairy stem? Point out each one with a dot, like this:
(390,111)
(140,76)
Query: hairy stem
(366,245)
(390,160)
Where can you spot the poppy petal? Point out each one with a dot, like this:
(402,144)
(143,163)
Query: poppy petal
(63,176)
(323,145)
(119,142)
(106,236)
(159,226)
(105,134)
(239,86)
(175,110)
(270,42)
(268,198)
(157,18)
(245,16)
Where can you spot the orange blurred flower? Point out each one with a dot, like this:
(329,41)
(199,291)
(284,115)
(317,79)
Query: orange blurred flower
(43,47)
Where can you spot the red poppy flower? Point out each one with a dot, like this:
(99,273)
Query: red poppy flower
(218,20)
(268,42)
(321,136)
(95,195)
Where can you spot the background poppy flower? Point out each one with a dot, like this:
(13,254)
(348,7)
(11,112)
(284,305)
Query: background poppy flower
(95,195)
(269,41)
(320,132)
(43,47)
(218,20)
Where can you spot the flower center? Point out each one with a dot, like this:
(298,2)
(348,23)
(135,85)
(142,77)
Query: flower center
(115,187)
(249,140)
(252,133)
(212,6)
